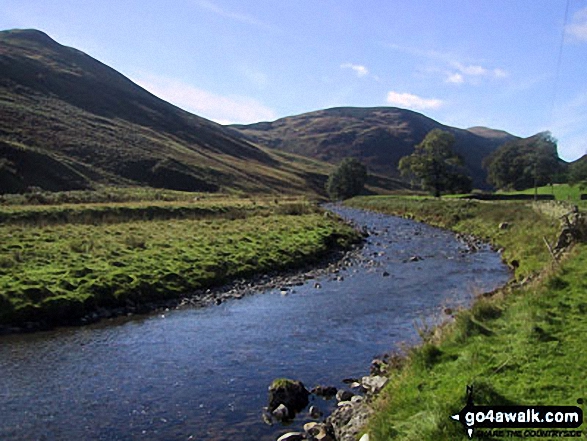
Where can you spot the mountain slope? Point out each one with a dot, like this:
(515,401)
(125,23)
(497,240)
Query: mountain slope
(377,136)
(68,121)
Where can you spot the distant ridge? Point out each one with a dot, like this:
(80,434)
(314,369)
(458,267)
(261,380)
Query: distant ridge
(68,121)
(486,132)
(378,136)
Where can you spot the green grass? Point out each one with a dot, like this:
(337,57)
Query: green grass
(102,195)
(526,346)
(561,192)
(59,272)
(183,207)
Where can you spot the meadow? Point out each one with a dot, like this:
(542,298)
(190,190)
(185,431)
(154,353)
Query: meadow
(523,345)
(561,192)
(59,263)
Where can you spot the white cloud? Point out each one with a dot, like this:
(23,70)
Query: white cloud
(361,71)
(470,70)
(219,108)
(473,73)
(578,28)
(455,78)
(412,101)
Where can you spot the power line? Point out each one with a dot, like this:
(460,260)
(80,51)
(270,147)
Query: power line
(559,61)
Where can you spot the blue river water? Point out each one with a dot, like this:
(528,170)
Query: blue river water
(203,373)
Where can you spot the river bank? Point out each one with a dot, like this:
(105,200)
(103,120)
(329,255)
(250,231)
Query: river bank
(517,346)
(74,271)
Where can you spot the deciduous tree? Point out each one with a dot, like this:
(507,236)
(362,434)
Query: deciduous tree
(524,163)
(436,166)
(347,180)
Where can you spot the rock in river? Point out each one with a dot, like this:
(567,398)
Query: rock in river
(291,393)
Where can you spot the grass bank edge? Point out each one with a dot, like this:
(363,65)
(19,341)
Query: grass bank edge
(520,346)
(289,239)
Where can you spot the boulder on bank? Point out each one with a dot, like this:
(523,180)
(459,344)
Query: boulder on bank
(291,393)
(374,383)
(348,421)
(325,391)
(344,395)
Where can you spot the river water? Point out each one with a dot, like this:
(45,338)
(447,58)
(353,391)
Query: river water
(202,374)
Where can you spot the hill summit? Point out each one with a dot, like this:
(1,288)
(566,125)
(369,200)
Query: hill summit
(377,136)
(69,121)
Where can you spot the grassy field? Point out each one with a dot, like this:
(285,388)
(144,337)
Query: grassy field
(58,268)
(561,192)
(140,205)
(523,346)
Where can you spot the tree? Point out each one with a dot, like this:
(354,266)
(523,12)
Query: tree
(347,180)
(578,172)
(524,163)
(434,164)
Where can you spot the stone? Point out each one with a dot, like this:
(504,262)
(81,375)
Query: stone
(375,383)
(350,380)
(377,367)
(348,421)
(504,225)
(291,393)
(314,412)
(308,427)
(344,395)
(365,437)
(385,274)
(281,413)
(324,391)
(292,436)
(323,436)
(318,432)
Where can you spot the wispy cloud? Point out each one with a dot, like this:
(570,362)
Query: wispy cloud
(500,73)
(455,78)
(430,54)
(360,70)
(232,15)
(472,73)
(577,29)
(411,101)
(451,66)
(219,108)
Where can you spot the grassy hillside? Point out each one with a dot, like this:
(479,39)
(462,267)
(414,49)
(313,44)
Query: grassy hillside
(69,122)
(379,137)
(522,346)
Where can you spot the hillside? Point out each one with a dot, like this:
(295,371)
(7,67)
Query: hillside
(377,136)
(68,122)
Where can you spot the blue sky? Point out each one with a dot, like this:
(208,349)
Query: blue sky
(515,65)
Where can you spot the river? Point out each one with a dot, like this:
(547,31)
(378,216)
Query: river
(203,373)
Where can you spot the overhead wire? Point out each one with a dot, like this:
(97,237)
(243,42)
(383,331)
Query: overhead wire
(559,62)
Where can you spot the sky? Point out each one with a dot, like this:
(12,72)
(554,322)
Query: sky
(513,65)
